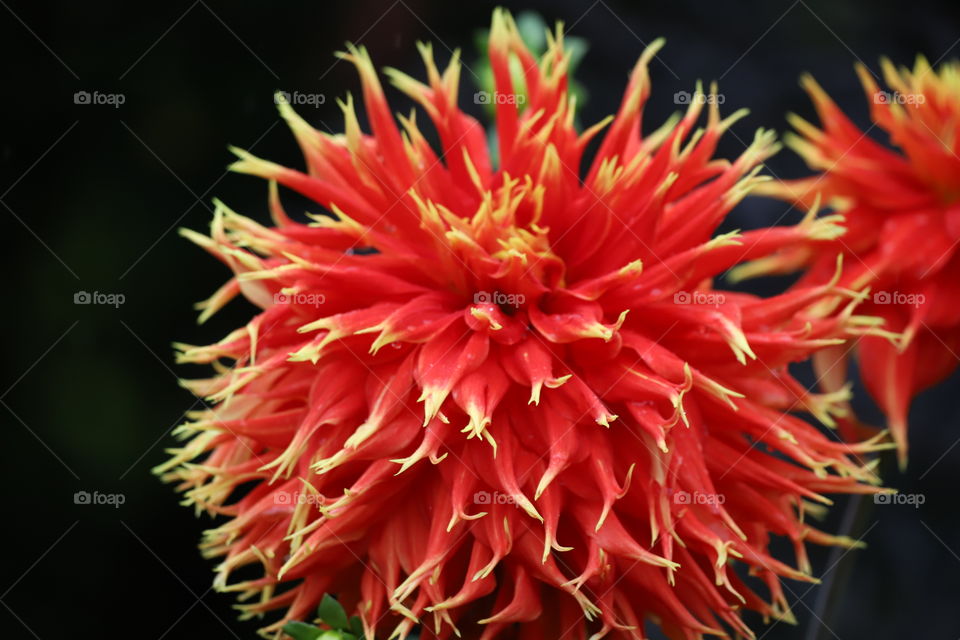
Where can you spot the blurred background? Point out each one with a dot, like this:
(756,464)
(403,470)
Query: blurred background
(118,117)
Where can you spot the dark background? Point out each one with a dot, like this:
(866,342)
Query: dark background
(92,196)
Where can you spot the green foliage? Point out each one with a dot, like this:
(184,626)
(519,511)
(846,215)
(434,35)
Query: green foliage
(302,631)
(330,613)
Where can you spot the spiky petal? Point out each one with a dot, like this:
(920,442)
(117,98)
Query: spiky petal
(901,211)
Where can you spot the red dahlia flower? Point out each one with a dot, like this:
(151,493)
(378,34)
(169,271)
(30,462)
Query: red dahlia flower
(523,411)
(902,211)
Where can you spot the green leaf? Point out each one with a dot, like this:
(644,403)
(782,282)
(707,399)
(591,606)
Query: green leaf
(577,48)
(301,631)
(533,31)
(356,626)
(331,612)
